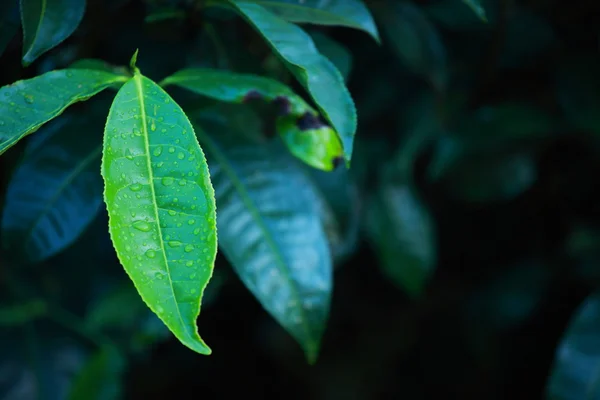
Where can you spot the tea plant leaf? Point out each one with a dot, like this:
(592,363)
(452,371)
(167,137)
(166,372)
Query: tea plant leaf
(307,137)
(402,231)
(28,104)
(54,193)
(315,72)
(576,370)
(161,204)
(9,22)
(46,23)
(270,231)
(349,13)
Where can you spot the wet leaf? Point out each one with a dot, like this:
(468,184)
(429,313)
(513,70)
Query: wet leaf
(161,204)
(270,231)
(349,13)
(315,72)
(55,192)
(300,126)
(576,371)
(28,104)
(46,23)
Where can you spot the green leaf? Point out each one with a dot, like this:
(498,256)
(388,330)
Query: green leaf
(315,72)
(403,233)
(100,377)
(46,23)
(576,371)
(100,65)
(28,104)
(55,192)
(161,204)
(270,231)
(299,125)
(349,13)
(339,55)
(415,41)
(9,22)
(477,8)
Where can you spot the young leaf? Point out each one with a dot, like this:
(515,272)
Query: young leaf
(161,204)
(270,231)
(315,72)
(299,125)
(55,192)
(403,233)
(28,104)
(576,371)
(46,23)
(349,13)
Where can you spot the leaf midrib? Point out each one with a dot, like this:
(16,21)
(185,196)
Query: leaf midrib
(250,205)
(140,92)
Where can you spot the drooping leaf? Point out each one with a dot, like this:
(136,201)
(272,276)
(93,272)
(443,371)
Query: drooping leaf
(299,125)
(576,371)
(28,104)
(161,204)
(349,13)
(403,233)
(100,377)
(339,55)
(415,41)
(315,72)
(9,22)
(55,192)
(270,231)
(46,23)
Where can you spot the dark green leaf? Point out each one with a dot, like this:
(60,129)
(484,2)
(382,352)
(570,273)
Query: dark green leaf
(339,55)
(477,8)
(314,71)
(269,229)
(100,377)
(350,13)
(26,105)
(403,233)
(415,41)
(99,65)
(9,22)
(161,204)
(46,23)
(55,192)
(576,371)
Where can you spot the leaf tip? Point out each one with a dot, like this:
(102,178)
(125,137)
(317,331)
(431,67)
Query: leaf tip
(133,61)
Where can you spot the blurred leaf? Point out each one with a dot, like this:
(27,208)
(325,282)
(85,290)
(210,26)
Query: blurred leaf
(156,179)
(415,41)
(528,36)
(100,378)
(46,23)
(9,22)
(453,14)
(339,55)
(349,13)
(55,192)
(30,103)
(270,231)
(477,8)
(315,72)
(576,371)
(578,91)
(99,65)
(299,125)
(402,232)
(18,314)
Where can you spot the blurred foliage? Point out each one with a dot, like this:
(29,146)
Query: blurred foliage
(465,234)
